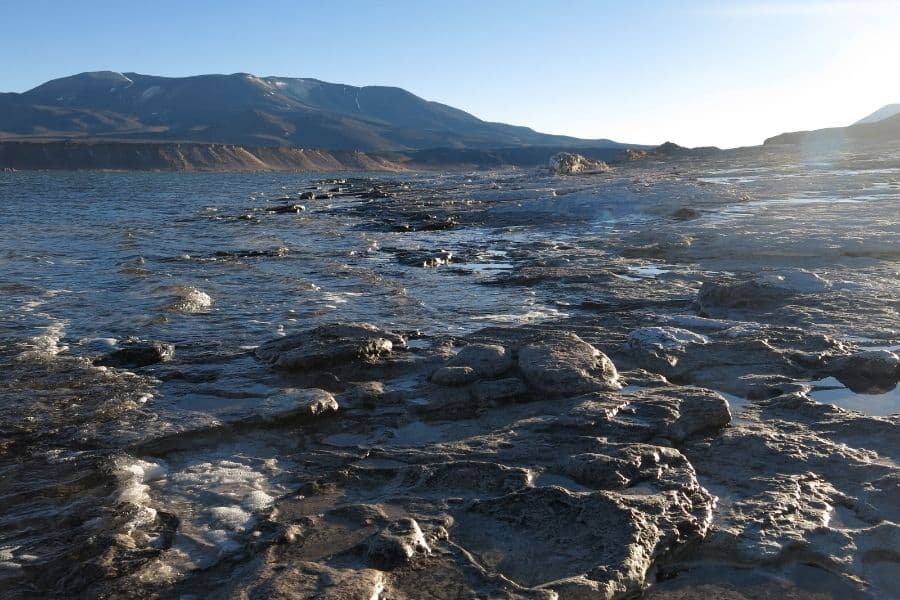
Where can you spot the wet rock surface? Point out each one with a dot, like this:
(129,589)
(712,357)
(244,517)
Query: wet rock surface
(485,360)
(600,387)
(328,345)
(137,354)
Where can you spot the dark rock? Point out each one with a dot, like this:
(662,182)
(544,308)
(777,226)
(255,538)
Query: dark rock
(685,214)
(327,345)
(454,376)
(438,224)
(137,354)
(273,253)
(287,209)
(488,360)
(669,149)
(368,394)
(423,258)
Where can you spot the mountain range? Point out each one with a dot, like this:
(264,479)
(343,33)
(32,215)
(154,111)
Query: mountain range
(111,120)
(255,111)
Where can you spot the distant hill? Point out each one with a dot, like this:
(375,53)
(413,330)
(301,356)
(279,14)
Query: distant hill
(885,112)
(257,111)
(882,131)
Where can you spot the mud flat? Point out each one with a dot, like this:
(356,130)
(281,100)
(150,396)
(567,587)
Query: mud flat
(673,379)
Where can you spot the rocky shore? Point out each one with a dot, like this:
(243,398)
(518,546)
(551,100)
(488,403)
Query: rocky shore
(665,431)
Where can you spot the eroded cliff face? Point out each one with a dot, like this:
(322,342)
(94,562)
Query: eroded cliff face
(183,157)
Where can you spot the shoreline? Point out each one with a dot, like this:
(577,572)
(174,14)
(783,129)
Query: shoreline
(165,156)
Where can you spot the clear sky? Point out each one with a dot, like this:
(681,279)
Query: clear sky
(725,73)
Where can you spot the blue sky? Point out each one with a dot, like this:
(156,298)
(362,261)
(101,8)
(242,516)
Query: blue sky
(695,72)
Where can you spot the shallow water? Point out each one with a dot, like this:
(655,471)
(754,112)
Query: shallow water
(832,391)
(157,255)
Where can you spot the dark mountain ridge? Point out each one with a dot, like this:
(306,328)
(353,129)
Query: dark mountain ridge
(260,111)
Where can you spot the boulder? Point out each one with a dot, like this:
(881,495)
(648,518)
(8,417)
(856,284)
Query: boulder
(369,394)
(474,362)
(564,364)
(137,354)
(293,404)
(873,371)
(454,376)
(488,360)
(329,345)
(567,163)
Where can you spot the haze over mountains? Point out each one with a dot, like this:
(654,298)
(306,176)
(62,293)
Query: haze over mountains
(257,111)
(885,112)
(882,126)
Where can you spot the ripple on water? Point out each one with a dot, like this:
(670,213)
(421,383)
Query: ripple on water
(45,346)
